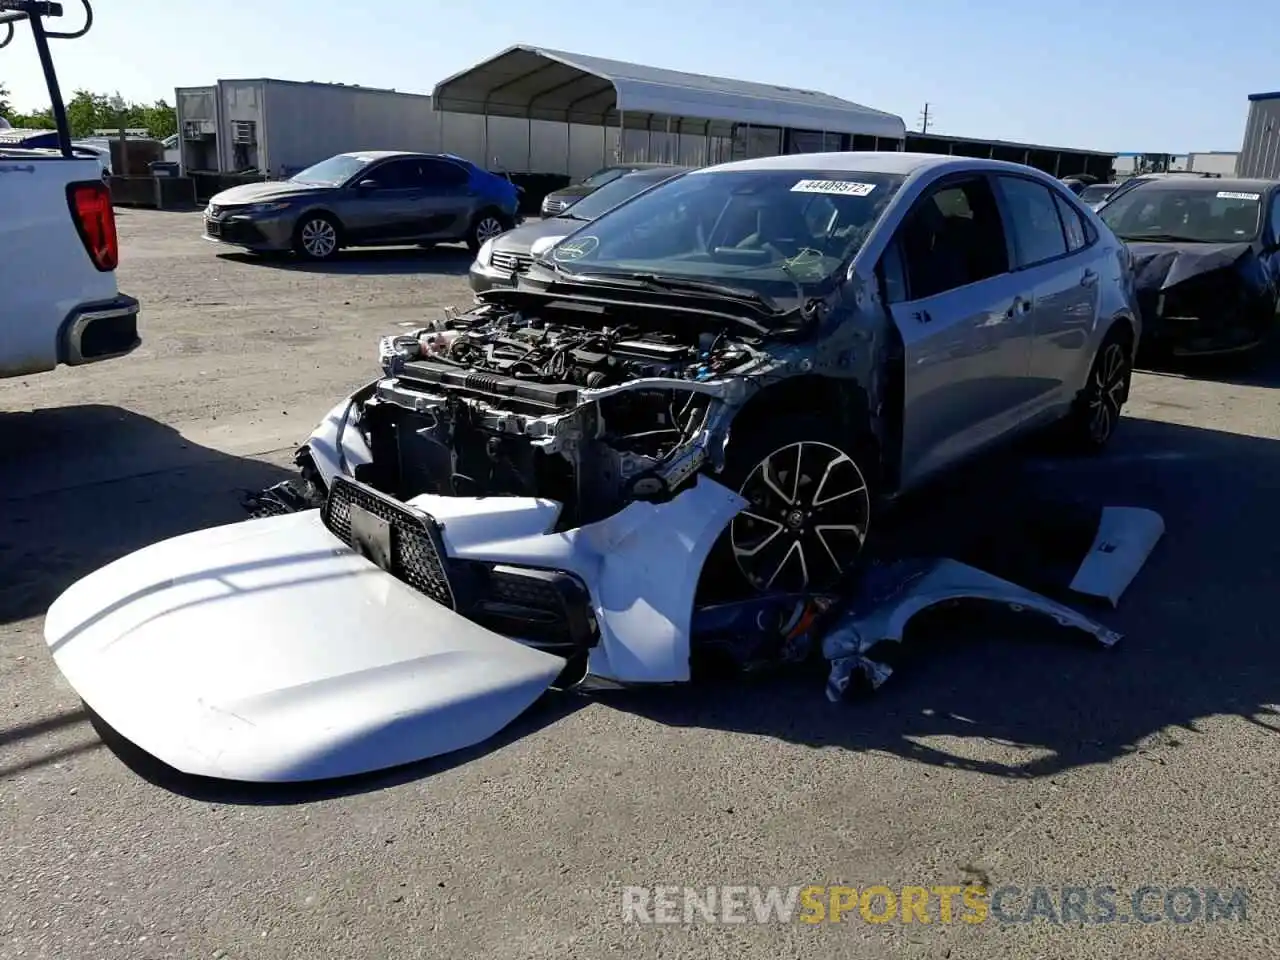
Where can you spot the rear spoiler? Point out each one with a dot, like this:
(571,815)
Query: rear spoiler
(35,12)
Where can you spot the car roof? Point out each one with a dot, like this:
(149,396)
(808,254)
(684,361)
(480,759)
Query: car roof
(1209,184)
(655,172)
(868,161)
(385,154)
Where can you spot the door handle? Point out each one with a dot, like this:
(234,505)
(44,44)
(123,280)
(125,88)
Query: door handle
(1020,308)
(1089,278)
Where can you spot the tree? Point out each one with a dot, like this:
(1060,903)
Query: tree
(88,111)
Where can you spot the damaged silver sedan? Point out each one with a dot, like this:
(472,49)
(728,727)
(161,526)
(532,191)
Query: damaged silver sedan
(704,395)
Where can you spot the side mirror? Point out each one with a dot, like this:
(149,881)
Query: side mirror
(367,185)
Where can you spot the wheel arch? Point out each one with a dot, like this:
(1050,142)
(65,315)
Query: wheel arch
(813,394)
(1122,325)
(322,211)
(489,208)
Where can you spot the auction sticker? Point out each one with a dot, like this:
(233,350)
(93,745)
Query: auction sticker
(1227,195)
(576,248)
(842,188)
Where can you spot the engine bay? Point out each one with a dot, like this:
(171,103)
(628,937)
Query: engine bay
(559,403)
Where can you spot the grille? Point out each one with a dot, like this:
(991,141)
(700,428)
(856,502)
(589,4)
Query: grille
(553,206)
(417,549)
(511,262)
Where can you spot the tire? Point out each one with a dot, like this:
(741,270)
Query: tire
(487,225)
(1095,414)
(317,237)
(777,543)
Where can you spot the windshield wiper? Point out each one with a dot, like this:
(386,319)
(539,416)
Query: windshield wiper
(651,282)
(723,291)
(1162,238)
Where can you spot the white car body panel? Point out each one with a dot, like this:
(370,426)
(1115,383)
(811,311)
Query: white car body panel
(641,565)
(268,650)
(1126,536)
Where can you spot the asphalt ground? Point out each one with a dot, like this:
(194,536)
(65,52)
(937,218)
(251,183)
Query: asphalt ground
(1003,753)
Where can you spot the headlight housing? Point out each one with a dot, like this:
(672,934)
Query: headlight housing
(484,256)
(272,207)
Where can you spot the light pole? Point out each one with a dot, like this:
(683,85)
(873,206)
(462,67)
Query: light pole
(117,104)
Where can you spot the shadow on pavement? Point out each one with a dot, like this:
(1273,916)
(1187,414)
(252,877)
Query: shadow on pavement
(1257,368)
(81,486)
(451,261)
(1198,624)
(547,711)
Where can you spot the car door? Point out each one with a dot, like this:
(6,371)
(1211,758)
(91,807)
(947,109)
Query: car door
(445,205)
(1271,237)
(961,314)
(1052,251)
(385,211)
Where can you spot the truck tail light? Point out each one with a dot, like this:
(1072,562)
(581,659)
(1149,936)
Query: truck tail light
(95,220)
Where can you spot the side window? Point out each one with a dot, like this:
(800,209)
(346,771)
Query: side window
(1033,220)
(396,174)
(1275,216)
(442,175)
(951,238)
(1072,225)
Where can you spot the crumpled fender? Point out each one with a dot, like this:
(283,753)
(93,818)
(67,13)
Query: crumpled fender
(893,595)
(337,442)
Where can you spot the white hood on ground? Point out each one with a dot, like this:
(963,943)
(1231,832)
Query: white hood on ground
(269,651)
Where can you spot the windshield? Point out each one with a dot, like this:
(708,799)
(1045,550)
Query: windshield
(332,172)
(763,229)
(601,177)
(1199,216)
(1097,192)
(610,195)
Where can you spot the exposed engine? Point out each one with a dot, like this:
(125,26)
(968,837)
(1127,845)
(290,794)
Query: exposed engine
(556,404)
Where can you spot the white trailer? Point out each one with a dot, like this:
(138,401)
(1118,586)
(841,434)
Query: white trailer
(278,127)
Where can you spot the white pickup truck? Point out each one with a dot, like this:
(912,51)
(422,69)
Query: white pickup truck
(58,243)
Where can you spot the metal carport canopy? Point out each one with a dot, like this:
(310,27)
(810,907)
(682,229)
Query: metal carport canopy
(536,83)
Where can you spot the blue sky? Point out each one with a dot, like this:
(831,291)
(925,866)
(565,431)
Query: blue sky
(1170,77)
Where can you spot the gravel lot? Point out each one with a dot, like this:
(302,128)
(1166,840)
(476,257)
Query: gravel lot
(1018,757)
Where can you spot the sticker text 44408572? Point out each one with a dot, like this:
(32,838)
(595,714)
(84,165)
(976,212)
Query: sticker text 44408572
(843,188)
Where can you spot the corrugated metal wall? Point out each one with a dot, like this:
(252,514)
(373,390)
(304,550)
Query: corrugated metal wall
(1260,152)
(305,123)
(299,124)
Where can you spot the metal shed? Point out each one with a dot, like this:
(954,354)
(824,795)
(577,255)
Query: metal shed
(1058,161)
(654,109)
(1260,151)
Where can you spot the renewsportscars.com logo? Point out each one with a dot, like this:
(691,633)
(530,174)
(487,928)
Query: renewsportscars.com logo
(943,904)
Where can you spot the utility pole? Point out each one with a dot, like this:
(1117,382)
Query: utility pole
(925,119)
